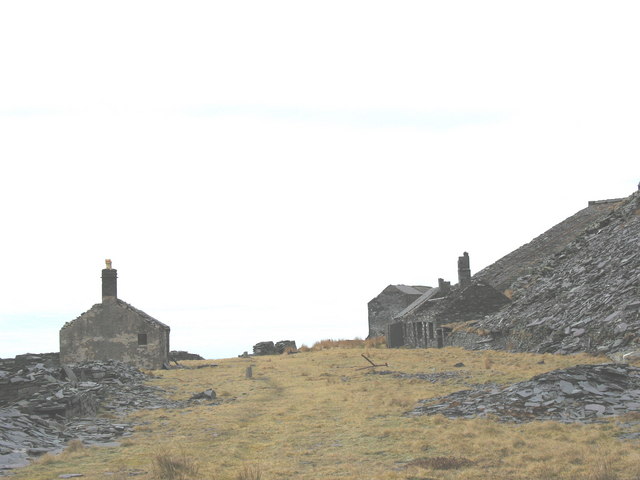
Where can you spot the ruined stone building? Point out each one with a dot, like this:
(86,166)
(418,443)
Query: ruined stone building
(388,303)
(422,323)
(114,330)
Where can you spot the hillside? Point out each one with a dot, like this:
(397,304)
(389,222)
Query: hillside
(521,261)
(584,297)
(320,414)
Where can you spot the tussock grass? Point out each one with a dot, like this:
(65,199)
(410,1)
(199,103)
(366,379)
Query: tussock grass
(168,465)
(73,446)
(317,415)
(249,472)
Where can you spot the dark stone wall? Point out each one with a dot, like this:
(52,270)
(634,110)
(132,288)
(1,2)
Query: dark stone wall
(109,331)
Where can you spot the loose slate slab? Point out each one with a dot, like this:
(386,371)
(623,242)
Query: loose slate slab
(584,393)
(49,404)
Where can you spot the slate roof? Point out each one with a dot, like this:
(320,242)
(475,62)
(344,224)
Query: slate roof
(412,290)
(418,301)
(145,316)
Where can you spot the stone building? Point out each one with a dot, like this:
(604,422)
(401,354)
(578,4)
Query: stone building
(115,330)
(421,324)
(388,303)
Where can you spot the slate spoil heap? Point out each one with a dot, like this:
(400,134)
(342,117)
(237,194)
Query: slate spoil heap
(584,393)
(584,298)
(43,405)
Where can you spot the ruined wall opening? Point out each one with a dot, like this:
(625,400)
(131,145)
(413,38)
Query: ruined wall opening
(142,339)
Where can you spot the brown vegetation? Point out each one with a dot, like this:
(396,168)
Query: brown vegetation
(316,415)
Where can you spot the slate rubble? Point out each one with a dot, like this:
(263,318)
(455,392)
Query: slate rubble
(44,405)
(586,297)
(584,393)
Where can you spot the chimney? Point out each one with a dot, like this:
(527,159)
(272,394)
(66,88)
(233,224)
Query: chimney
(444,286)
(464,272)
(109,283)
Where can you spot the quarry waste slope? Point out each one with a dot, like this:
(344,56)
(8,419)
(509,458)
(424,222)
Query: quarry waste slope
(584,298)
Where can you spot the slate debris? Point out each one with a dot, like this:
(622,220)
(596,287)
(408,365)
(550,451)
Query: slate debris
(585,298)
(178,355)
(584,393)
(208,394)
(429,377)
(44,405)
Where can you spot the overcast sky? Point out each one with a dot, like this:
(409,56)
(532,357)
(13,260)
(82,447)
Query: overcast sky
(261,170)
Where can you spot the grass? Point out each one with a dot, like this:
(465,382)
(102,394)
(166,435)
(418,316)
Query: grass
(316,415)
(169,465)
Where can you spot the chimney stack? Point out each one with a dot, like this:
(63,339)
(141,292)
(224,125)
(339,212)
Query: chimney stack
(444,286)
(109,283)
(464,272)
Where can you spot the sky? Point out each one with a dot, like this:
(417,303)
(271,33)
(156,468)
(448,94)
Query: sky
(261,170)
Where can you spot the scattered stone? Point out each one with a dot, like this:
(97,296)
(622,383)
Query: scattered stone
(177,355)
(584,393)
(582,298)
(43,405)
(208,394)
(459,365)
(429,377)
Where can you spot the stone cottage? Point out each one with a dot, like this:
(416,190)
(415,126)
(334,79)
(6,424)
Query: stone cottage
(114,330)
(393,299)
(420,324)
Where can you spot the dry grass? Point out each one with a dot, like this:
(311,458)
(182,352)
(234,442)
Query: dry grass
(249,472)
(316,415)
(441,463)
(376,342)
(168,465)
(74,445)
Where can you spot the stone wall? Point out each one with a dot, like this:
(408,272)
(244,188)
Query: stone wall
(114,330)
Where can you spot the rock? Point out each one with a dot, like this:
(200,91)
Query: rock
(286,346)
(208,394)
(269,348)
(459,364)
(582,298)
(264,348)
(178,355)
(49,404)
(605,390)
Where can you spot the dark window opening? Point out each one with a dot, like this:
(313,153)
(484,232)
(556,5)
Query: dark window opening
(142,339)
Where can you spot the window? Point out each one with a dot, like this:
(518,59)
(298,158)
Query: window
(142,339)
